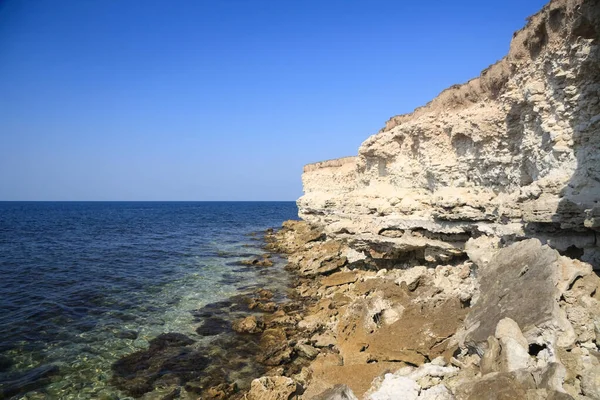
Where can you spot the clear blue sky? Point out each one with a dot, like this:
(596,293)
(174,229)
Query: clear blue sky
(219,99)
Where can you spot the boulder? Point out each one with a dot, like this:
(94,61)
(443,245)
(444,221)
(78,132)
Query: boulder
(520,282)
(507,328)
(514,352)
(274,347)
(248,325)
(306,350)
(272,388)
(590,383)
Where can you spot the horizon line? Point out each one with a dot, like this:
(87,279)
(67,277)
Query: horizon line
(146,201)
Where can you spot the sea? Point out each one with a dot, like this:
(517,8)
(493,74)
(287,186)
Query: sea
(83,284)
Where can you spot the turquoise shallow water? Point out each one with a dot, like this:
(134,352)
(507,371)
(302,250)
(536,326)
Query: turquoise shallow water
(83,284)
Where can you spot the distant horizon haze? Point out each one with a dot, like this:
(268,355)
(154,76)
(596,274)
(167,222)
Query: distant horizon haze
(219,100)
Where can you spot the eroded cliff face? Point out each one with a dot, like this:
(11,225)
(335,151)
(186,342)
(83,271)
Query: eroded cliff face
(514,153)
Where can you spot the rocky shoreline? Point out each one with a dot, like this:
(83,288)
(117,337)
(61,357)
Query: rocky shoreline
(452,258)
(249,334)
(519,322)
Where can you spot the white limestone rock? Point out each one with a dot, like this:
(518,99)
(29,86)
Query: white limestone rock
(511,153)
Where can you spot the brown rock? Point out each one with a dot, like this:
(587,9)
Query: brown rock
(264,294)
(498,386)
(320,258)
(357,377)
(220,392)
(489,361)
(306,350)
(267,307)
(248,325)
(272,388)
(294,235)
(421,331)
(259,262)
(275,349)
(339,278)
(323,340)
(273,337)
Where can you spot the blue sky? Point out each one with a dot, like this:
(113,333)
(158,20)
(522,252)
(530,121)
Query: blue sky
(219,99)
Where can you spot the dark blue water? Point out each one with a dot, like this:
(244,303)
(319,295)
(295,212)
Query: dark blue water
(82,284)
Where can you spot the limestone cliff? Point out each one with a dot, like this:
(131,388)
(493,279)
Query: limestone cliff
(514,153)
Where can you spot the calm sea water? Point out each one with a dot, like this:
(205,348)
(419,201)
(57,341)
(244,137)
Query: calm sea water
(82,284)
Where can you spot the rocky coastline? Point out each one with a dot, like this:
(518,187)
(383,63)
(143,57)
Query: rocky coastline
(455,257)
(518,321)
(513,322)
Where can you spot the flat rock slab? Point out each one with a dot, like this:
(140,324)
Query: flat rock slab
(339,278)
(357,377)
(519,283)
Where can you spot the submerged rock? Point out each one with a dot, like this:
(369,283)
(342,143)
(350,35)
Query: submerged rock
(213,326)
(168,357)
(5,363)
(27,381)
(248,325)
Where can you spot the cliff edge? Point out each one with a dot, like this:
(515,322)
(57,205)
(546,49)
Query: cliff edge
(513,153)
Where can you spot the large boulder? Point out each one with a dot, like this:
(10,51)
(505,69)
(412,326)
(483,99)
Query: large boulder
(523,282)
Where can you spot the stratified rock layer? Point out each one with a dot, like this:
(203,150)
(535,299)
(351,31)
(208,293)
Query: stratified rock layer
(513,153)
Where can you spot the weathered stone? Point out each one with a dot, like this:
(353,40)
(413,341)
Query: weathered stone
(267,307)
(513,356)
(272,388)
(497,386)
(508,328)
(248,325)
(339,278)
(518,283)
(545,394)
(323,340)
(514,353)
(438,392)
(306,350)
(553,377)
(294,235)
(481,249)
(338,392)
(330,370)
(396,387)
(274,345)
(590,383)
(489,360)
(311,323)
(412,277)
